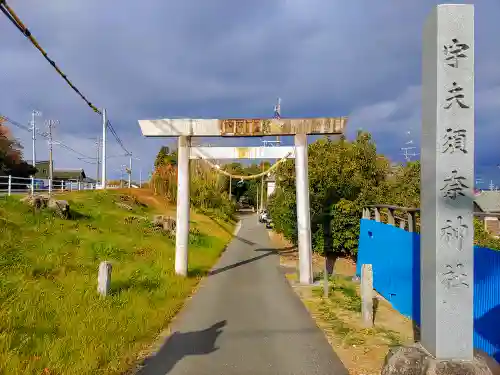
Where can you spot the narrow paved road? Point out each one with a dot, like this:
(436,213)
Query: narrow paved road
(245,319)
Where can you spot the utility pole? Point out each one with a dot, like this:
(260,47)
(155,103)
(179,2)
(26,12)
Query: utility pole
(406,150)
(257,198)
(104,126)
(50,126)
(123,168)
(97,142)
(98,146)
(277,116)
(130,171)
(34,114)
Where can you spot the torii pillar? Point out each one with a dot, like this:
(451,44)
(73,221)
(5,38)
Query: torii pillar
(300,128)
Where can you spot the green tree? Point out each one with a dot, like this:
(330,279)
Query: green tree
(343,177)
(483,238)
(403,186)
(11,162)
(206,187)
(165,157)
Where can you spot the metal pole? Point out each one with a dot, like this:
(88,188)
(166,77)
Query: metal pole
(51,165)
(9,189)
(103,169)
(33,136)
(98,144)
(130,171)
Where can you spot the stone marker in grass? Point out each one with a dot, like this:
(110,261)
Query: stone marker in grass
(104,278)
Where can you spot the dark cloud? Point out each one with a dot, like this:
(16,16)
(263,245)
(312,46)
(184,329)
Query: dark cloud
(225,58)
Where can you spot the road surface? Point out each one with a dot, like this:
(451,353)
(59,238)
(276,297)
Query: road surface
(245,319)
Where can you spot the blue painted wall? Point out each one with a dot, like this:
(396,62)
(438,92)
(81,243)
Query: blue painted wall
(395,256)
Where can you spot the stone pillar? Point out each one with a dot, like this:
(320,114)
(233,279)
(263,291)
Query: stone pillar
(447,182)
(390,216)
(104,278)
(402,224)
(411,221)
(367,294)
(182,226)
(303,210)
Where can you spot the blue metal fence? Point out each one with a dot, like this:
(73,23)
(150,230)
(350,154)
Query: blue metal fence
(395,257)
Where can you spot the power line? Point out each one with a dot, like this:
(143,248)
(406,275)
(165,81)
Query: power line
(117,138)
(12,16)
(46,136)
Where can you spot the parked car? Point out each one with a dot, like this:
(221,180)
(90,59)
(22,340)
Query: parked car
(269,223)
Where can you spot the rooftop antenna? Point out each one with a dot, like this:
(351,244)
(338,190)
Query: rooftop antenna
(277,116)
(408,152)
(491,186)
(277,142)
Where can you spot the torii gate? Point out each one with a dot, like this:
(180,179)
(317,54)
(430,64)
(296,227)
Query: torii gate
(184,129)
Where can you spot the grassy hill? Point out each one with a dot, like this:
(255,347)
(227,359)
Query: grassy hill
(51,317)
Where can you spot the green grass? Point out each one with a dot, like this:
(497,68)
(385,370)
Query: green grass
(51,316)
(342,312)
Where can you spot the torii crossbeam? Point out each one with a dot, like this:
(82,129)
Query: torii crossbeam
(184,129)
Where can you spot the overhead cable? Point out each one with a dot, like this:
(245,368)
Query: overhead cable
(118,140)
(42,134)
(12,16)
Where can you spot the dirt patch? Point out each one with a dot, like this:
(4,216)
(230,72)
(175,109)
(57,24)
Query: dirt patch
(362,350)
(146,196)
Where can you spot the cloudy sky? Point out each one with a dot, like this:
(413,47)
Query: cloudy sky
(226,58)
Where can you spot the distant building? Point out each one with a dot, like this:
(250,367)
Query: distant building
(59,174)
(488,201)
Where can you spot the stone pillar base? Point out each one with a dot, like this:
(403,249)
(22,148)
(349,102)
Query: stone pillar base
(415,360)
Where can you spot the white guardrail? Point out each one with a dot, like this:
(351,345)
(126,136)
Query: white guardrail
(30,185)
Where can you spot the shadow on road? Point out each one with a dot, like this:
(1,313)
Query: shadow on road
(285,250)
(227,231)
(180,345)
(268,252)
(243,262)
